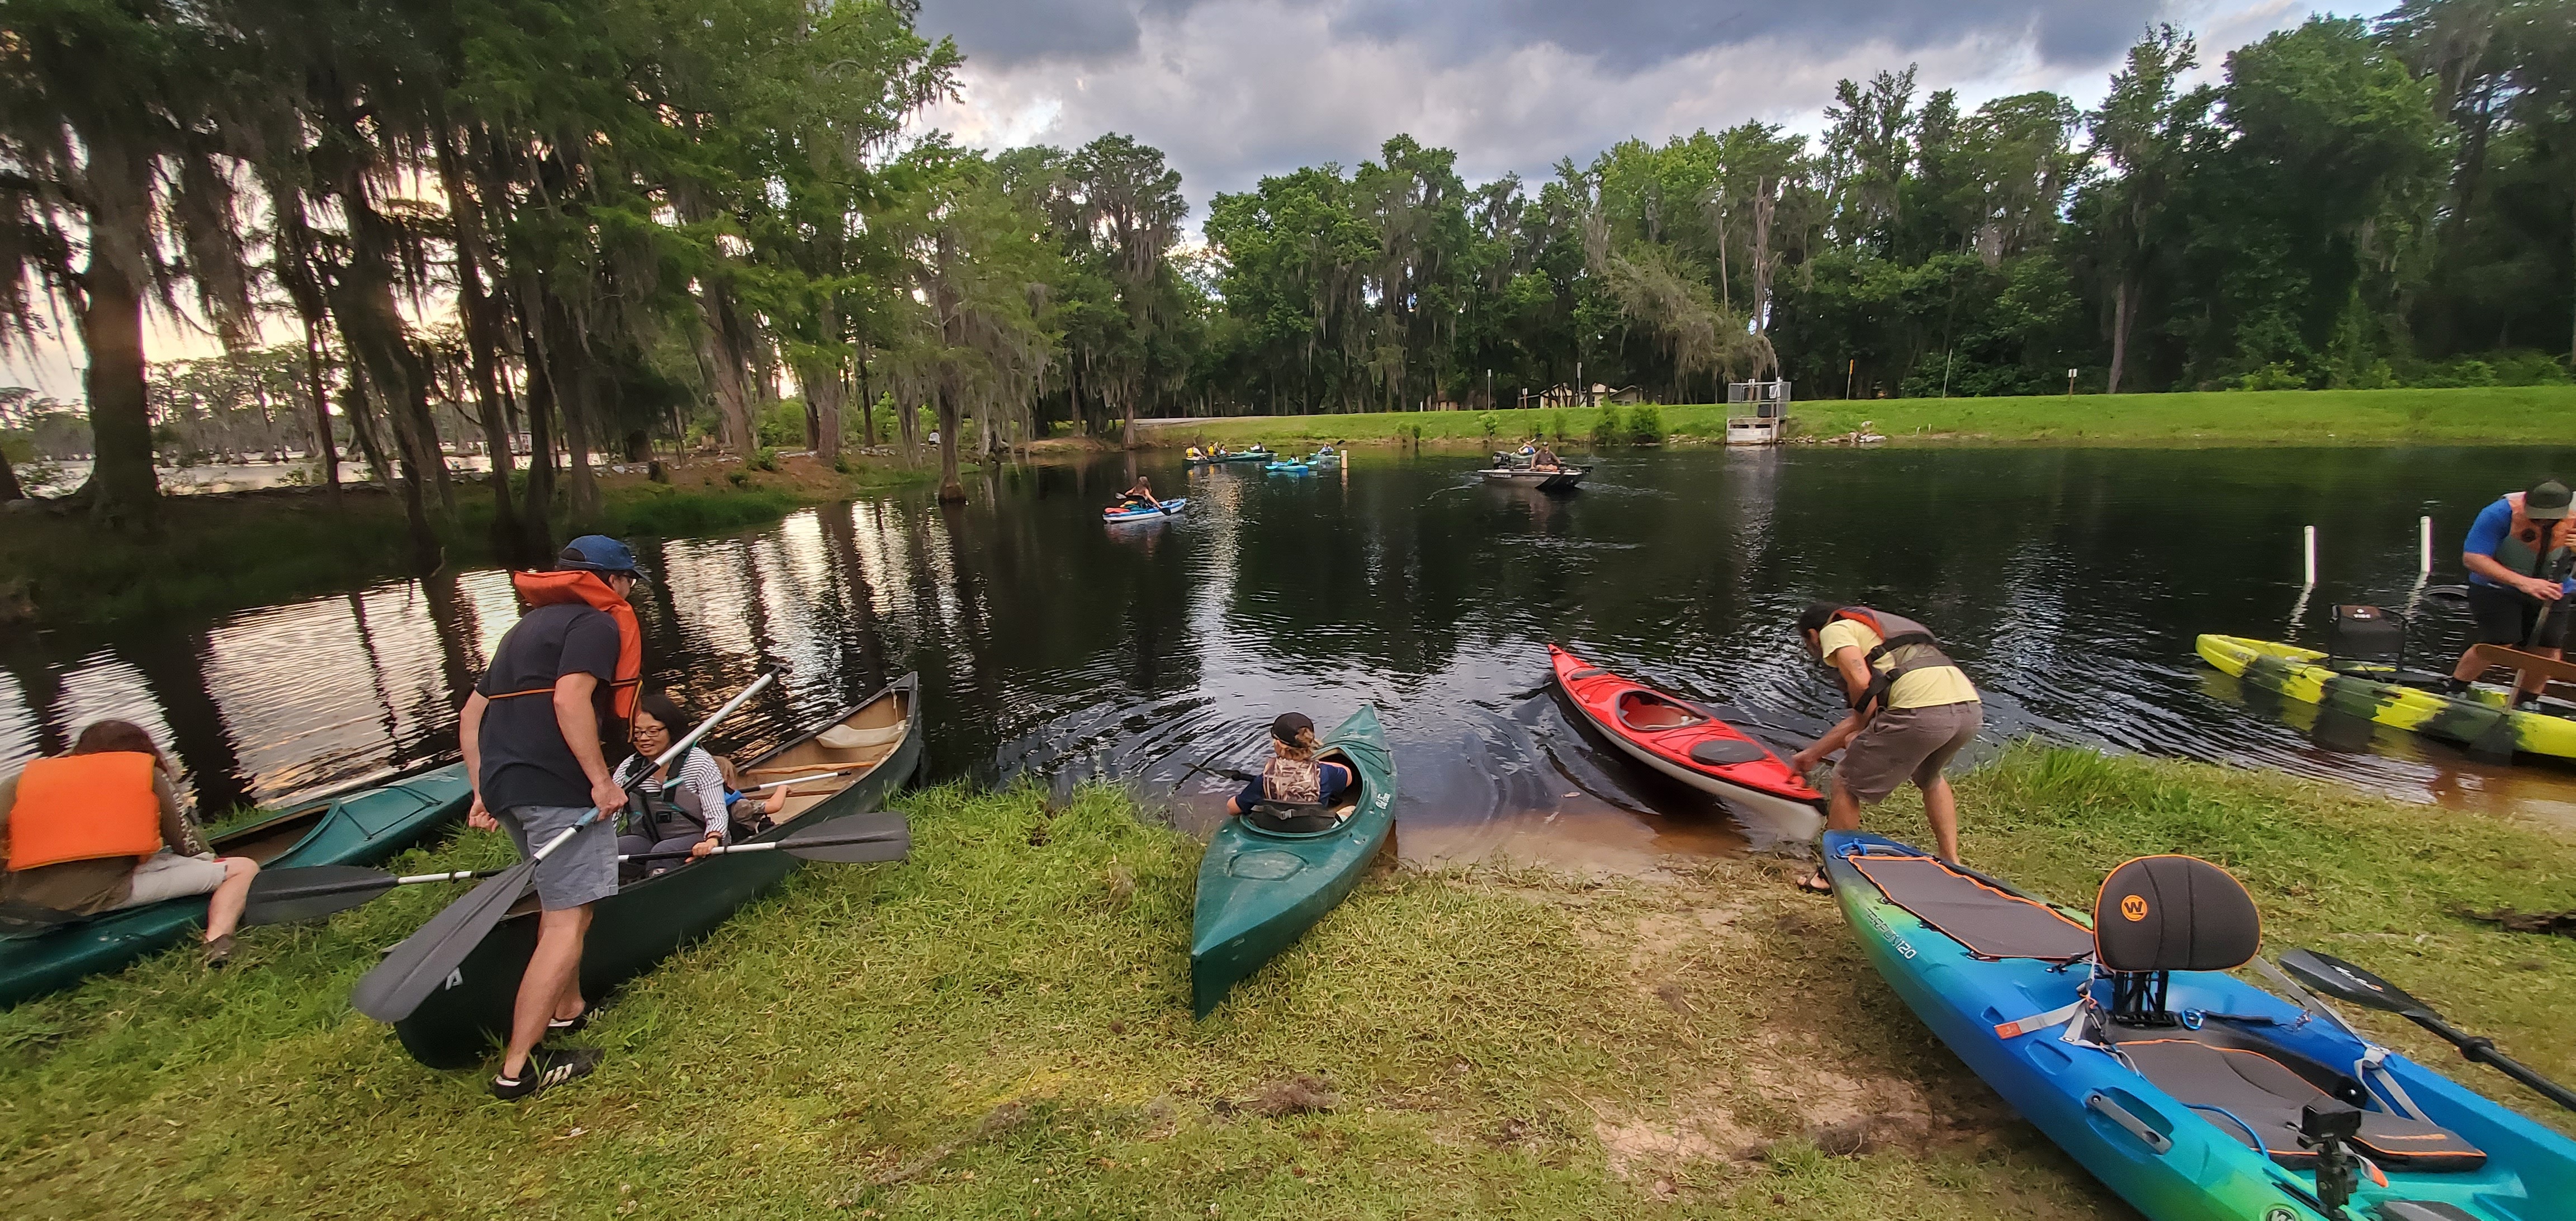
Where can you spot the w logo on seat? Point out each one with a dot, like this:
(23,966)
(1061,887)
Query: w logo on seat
(2133,908)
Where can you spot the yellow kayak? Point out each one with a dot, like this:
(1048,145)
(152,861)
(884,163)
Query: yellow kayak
(2478,719)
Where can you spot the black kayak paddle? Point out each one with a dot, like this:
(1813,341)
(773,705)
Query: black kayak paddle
(290,895)
(416,967)
(2346,982)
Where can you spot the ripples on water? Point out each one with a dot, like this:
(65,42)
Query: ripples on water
(2071,583)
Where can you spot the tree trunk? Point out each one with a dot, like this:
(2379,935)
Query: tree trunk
(867,408)
(326,448)
(537,507)
(720,348)
(823,396)
(951,489)
(9,489)
(2123,305)
(124,493)
(584,509)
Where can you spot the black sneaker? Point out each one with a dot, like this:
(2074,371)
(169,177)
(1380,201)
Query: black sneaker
(547,1068)
(557,1027)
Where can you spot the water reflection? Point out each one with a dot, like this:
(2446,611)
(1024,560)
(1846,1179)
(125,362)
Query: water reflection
(2071,582)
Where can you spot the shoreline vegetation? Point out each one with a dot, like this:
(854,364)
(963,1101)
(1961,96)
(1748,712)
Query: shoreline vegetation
(2486,415)
(999,1028)
(233,550)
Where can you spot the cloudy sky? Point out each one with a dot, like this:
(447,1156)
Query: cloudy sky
(1231,90)
(1234,89)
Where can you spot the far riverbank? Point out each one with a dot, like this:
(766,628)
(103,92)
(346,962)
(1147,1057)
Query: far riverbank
(2495,415)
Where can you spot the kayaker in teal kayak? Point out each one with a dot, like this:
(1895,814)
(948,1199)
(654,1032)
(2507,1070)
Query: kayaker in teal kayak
(1912,708)
(2518,583)
(1293,776)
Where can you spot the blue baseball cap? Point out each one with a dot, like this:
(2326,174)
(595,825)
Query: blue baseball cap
(598,553)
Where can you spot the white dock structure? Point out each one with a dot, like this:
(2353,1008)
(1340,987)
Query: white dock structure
(1755,411)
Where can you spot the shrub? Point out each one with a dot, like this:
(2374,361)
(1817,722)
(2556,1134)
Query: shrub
(1609,430)
(764,458)
(1556,425)
(738,479)
(2278,376)
(1646,425)
(782,424)
(1490,424)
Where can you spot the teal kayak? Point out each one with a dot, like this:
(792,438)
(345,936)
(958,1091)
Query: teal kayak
(1260,889)
(1286,468)
(355,826)
(2188,1101)
(1169,508)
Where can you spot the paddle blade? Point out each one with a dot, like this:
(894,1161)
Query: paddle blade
(416,968)
(855,840)
(2345,982)
(285,896)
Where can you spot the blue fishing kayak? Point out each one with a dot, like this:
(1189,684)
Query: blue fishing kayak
(2187,1104)
(1286,468)
(1170,508)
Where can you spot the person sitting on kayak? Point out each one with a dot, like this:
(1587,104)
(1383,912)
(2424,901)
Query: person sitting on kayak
(1912,708)
(687,815)
(2517,556)
(1140,496)
(1293,776)
(1195,456)
(101,830)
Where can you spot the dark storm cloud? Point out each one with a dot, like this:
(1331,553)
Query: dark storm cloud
(1624,35)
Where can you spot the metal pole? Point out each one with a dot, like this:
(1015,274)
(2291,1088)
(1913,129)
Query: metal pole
(2424,546)
(2311,549)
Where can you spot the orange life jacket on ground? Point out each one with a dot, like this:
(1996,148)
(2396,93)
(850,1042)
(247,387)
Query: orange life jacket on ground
(84,808)
(586,588)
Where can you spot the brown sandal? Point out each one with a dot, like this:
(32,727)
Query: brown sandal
(1817,883)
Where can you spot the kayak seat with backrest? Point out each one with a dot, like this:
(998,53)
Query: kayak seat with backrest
(2160,914)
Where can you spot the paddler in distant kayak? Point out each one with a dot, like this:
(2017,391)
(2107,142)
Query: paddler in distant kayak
(2517,556)
(1140,496)
(1912,709)
(563,679)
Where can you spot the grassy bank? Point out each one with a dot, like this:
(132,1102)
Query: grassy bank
(1000,1028)
(220,552)
(2521,415)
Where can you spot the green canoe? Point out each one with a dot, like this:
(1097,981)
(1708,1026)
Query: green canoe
(1259,889)
(355,826)
(646,921)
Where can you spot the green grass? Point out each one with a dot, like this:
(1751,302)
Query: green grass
(999,1028)
(2520,415)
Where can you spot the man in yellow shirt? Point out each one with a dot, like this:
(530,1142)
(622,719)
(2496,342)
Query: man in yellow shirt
(1912,708)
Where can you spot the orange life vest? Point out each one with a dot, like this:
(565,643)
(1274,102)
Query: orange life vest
(1910,645)
(84,808)
(586,588)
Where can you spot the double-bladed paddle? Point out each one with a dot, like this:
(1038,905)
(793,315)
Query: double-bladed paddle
(289,895)
(415,968)
(2346,982)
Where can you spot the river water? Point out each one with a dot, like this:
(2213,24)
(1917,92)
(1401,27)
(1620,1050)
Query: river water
(2070,583)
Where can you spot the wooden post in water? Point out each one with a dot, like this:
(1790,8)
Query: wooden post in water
(2424,546)
(2311,566)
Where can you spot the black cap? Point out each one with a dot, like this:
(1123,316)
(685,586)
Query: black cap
(2546,501)
(1289,725)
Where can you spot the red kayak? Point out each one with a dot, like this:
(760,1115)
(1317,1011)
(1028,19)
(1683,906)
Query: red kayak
(1688,743)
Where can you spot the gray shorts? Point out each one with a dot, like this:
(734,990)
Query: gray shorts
(1906,743)
(583,871)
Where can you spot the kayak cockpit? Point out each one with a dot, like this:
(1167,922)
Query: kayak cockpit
(1647,712)
(840,756)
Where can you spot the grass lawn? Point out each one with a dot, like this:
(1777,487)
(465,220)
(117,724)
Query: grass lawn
(2520,415)
(999,1028)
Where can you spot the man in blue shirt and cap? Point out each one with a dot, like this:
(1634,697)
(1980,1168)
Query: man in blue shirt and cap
(2518,554)
(563,679)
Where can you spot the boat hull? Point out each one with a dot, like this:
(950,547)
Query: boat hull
(2205,1173)
(356,826)
(1763,789)
(1171,508)
(1259,890)
(2482,723)
(1546,481)
(645,921)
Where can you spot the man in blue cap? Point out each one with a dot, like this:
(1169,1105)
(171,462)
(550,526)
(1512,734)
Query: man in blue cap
(564,678)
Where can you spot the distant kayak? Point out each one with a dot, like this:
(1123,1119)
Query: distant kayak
(1288,468)
(1689,743)
(1170,508)
(2477,719)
